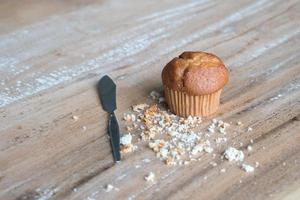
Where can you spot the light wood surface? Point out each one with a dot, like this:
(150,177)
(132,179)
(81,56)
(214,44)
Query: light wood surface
(52,53)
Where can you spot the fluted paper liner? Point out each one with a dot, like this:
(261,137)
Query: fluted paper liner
(185,105)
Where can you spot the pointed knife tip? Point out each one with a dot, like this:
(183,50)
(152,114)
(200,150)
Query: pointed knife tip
(105,77)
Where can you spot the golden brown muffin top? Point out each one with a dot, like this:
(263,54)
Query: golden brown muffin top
(195,73)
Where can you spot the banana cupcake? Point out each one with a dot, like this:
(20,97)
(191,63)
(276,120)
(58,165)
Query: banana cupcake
(193,83)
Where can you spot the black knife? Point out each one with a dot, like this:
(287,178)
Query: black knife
(107,93)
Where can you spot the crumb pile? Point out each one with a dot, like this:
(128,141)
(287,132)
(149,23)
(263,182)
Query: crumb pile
(176,140)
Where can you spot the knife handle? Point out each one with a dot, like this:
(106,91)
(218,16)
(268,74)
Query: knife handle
(113,131)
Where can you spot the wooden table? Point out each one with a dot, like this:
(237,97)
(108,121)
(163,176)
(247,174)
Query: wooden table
(52,53)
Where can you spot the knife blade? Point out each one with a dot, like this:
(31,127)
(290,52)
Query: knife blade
(107,93)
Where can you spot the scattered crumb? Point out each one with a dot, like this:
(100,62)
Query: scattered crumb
(221,140)
(223,170)
(146,160)
(205,177)
(241,144)
(186,162)
(284,163)
(251,141)
(208,149)
(222,126)
(214,164)
(154,95)
(211,130)
(138,166)
(249,148)
(126,144)
(249,129)
(150,177)
(264,147)
(139,107)
(108,188)
(256,164)
(129,117)
(212,126)
(161,99)
(197,149)
(75,189)
(44,194)
(75,118)
(126,139)
(84,128)
(240,181)
(232,154)
(129,128)
(247,168)
(239,123)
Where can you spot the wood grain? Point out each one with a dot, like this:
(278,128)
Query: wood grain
(53,53)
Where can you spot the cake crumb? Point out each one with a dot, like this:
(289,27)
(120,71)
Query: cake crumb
(161,100)
(146,160)
(211,130)
(232,154)
(251,141)
(75,118)
(208,149)
(222,126)
(256,164)
(239,123)
(140,107)
(150,177)
(220,140)
(186,162)
(223,170)
(249,129)
(126,144)
(154,95)
(84,128)
(197,149)
(284,163)
(247,168)
(212,127)
(126,139)
(249,148)
(108,188)
(138,166)
(129,117)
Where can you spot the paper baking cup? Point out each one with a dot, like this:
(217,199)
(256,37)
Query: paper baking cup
(185,105)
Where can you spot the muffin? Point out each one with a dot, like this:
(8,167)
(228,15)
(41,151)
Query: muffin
(193,83)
